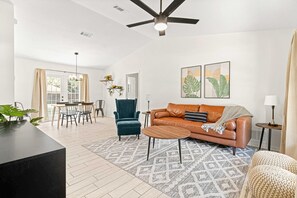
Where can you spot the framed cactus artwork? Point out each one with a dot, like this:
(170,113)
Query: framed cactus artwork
(217,80)
(191,82)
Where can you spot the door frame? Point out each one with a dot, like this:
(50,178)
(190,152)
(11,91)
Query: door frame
(136,76)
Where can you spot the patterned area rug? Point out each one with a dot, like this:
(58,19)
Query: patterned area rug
(208,170)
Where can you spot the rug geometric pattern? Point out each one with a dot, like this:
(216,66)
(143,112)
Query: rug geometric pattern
(208,170)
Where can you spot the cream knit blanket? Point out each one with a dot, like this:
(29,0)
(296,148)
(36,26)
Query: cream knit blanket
(229,113)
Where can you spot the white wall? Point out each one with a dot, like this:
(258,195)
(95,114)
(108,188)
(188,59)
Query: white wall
(6,52)
(24,75)
(258,63)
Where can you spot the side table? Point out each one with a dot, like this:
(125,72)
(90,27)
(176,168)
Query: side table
(269,127)
(146,118)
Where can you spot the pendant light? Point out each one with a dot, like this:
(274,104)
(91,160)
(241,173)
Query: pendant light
(76,76)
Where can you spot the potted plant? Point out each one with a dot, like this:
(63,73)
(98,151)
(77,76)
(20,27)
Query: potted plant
(9,113)
(108,77)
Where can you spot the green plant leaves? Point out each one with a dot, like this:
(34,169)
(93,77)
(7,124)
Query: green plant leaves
(191,87)
(221,87)
(11,111)
(35,121)
(2,118)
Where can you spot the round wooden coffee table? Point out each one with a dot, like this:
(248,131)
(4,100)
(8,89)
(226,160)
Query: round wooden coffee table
(165,132)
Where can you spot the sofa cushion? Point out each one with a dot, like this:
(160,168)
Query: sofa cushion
(194,127)
(227,134)
(214,112)
(128,124)
(162,114)
(178,110)
(196,116)
(174,121)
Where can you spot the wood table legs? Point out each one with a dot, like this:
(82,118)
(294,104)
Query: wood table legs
(53,116)
(148,150)
(269,138)
(179,150)
(149,145)
(59,117)
(262,134)
(146,120)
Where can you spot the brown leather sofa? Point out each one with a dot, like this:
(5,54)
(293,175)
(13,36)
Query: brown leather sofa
(237,133)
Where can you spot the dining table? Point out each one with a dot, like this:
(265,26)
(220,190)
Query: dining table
(58,107)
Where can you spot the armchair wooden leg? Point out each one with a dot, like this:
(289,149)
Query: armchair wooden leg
(119,138)
(234,150)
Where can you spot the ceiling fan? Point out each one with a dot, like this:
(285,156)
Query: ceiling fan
(162,18)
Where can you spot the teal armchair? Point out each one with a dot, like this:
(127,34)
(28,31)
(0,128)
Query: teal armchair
(126,117)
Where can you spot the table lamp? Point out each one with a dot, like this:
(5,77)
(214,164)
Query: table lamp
(271,100)
(148,97)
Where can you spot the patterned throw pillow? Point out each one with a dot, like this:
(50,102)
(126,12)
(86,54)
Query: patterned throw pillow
(196,116)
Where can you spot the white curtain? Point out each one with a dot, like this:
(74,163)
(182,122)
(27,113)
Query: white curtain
(39,101)
(289,132)
(84,89)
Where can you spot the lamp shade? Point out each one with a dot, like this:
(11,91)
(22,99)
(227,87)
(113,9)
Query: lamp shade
(270,100)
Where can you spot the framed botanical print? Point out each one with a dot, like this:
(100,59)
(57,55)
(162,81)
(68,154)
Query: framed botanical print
(191,82)
(217,80)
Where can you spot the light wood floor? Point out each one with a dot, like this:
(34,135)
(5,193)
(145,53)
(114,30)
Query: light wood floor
(89,175)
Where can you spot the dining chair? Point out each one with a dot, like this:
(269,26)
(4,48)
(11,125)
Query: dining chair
(61,110)
(100,104)
(85,112)
(70,112)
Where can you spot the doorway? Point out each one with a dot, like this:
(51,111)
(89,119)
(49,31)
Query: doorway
(61,89)
(132,86)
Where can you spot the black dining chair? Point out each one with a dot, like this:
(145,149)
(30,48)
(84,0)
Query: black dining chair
(70,112)
(85,112)
(100,104)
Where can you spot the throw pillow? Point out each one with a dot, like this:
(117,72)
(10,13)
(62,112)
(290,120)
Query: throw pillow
(196,116)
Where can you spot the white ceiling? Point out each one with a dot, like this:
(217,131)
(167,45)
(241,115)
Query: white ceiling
(50,29)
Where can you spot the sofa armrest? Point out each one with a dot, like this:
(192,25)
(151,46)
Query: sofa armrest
(243,131)
(153,112)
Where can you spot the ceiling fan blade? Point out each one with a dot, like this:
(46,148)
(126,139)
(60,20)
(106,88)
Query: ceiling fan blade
(182,20)
(145,7)
(175,4)
(140,23)
(162,33)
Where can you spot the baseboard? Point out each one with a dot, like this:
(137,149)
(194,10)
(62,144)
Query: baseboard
(264,146)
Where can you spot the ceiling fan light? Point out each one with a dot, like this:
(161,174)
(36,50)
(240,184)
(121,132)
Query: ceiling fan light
(160,26)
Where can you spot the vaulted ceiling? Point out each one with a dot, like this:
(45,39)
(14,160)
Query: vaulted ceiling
(50,30)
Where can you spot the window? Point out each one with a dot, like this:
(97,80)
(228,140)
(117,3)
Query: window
(61,89)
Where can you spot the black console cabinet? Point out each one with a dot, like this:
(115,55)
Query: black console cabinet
(32,165)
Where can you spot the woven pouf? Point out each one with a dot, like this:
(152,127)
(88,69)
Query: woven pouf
(274,159)
(272,182)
